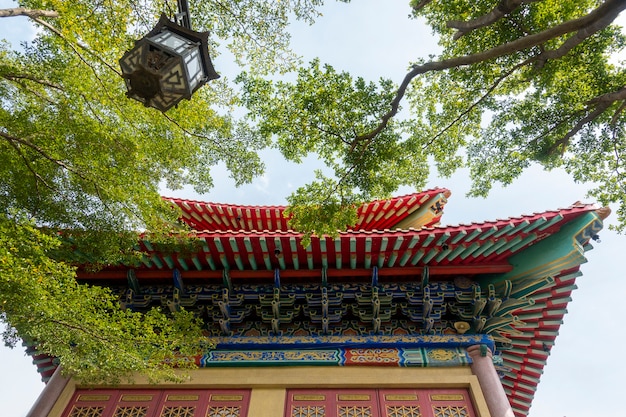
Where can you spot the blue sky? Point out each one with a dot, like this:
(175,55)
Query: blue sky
(374,38)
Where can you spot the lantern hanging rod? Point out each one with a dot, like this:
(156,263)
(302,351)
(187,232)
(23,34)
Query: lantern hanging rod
(183,18)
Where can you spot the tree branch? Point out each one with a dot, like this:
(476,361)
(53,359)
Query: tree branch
(32,13)
(30,168)
(610,97)
(618,161)
(421,4)
(596,20)
(619,110)
(564,141)
(241,23)
(540,60)
(42,152)
(15,77)
(18,79)
(503,8)
(480,100)
(600,104)
(84,47)
(216,143)
(84,60)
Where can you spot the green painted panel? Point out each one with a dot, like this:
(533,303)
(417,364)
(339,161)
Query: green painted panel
(383,244)
(430,255)
(146,261)
(405,258)
(460,235)
(470,250)
(209,259)
(428,240)
(505,230)
(443,239)
(473,235)
(559,251)
(488,233)
(417,257)
(183,264)
(224,261)
(527,287)
(534,224)
(509,245)
(239,262)
(169,261)
(519,227)
(442,254)
(157,261)
(456,252)
(233,244)
(392,259)
(414,241)
(497,245)
(526,241)
(252,261)
(483,247)
(196,263)
(552,221)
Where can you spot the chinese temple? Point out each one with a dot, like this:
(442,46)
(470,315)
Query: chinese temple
(397,316)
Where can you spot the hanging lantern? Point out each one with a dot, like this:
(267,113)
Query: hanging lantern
(167,65)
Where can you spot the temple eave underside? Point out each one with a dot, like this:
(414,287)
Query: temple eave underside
(396,297)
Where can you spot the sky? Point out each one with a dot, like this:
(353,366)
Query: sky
(374,38)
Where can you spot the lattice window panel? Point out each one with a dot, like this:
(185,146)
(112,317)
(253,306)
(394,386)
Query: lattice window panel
(87,412)
(308,411)
(178,412)
(450,411)
(355,411)
(131,412)
(403,411)
(224,411)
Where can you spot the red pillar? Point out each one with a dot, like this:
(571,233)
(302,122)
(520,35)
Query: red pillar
(482,367)
(49,395)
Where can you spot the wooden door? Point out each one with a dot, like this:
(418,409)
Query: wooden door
(158,403)
(379,403)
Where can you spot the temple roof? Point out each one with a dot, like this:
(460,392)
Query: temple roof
(509,280)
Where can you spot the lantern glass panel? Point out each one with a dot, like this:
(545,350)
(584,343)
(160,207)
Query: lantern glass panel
(172,41)
(194,67)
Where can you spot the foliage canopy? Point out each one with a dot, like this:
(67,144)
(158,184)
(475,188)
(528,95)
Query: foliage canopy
(517,82)
(76,155)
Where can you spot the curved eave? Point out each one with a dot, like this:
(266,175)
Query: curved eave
(480,243)
(490,243)
(544,275)
(416,210)
(523,363)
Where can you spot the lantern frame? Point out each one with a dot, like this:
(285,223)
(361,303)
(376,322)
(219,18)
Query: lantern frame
(167,65)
